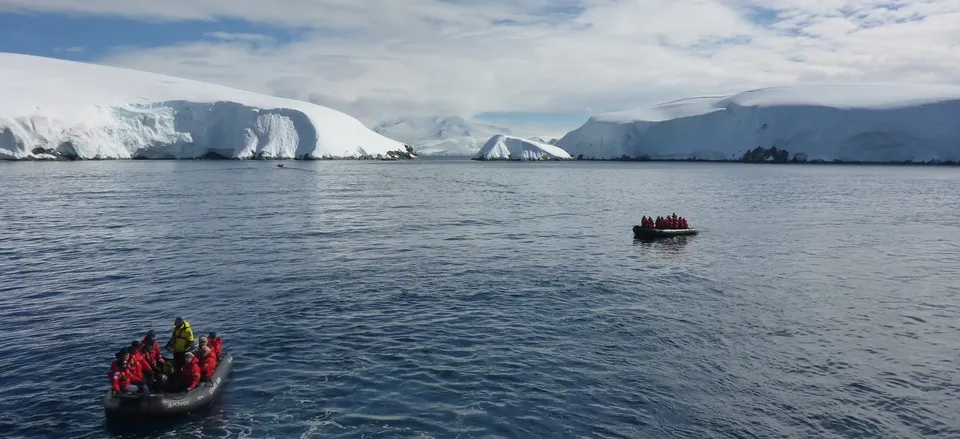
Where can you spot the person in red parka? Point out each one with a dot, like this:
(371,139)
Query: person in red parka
(121,375)
(208,363)
(138,357)
(142,364)
(189,376)
(160,378)
(216,343)
(134,368)
(154,355)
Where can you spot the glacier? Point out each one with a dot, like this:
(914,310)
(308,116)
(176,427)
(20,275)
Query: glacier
(58,109)
(452,136)
(865,123)
(504,147)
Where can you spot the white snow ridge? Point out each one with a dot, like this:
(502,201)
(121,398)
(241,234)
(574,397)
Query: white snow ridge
(503,147)
(63,109)
(878,123)
(440,136)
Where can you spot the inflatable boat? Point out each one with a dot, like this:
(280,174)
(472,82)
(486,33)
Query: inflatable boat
(162,404)
(646,232)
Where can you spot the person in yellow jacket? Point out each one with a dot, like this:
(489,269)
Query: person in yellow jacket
(180,342)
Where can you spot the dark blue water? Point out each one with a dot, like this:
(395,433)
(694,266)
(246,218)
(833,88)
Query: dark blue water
(464,299)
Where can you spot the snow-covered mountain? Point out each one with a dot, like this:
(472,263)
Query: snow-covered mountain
(501,147)
(52,108)
(547,140)
(850,123)
(435,135)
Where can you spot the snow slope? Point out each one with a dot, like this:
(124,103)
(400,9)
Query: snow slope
(502,147)
(542,139)
(854,123)
(52,107)
(448,136)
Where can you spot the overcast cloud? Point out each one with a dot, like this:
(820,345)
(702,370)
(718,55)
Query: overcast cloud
(381,58)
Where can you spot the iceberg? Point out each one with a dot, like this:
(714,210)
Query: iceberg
(504,147)
(57,109)
(867,123)
(451,136)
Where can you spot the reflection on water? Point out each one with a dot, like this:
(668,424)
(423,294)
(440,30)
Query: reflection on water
(208,422)
(673,243)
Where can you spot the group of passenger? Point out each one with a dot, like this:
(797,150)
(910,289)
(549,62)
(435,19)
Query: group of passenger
(668,222)
(141,368)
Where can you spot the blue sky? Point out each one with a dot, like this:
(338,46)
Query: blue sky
(91,38)
(541,66)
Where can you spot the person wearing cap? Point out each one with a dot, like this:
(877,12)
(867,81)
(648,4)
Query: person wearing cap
(151,349)
(188,378)
(121,375)
(180,341)
(156,364)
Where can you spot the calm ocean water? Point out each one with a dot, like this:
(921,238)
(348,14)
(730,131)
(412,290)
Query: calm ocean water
(477,300)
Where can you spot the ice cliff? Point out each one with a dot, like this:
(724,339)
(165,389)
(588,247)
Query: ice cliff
(52,108)
(503,147)
(849,123)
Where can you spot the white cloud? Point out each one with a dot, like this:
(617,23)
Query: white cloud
(227,36)
(379,58)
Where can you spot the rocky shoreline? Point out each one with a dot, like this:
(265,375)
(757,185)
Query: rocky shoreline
(770,155)
(50,154)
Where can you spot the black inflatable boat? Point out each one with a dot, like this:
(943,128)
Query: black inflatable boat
(161,404)
(647,232)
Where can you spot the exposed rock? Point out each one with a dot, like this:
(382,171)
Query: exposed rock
(213,155)
(766,155)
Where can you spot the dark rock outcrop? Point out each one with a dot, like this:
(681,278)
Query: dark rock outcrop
(766,155)
(54,153)
(213,155)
